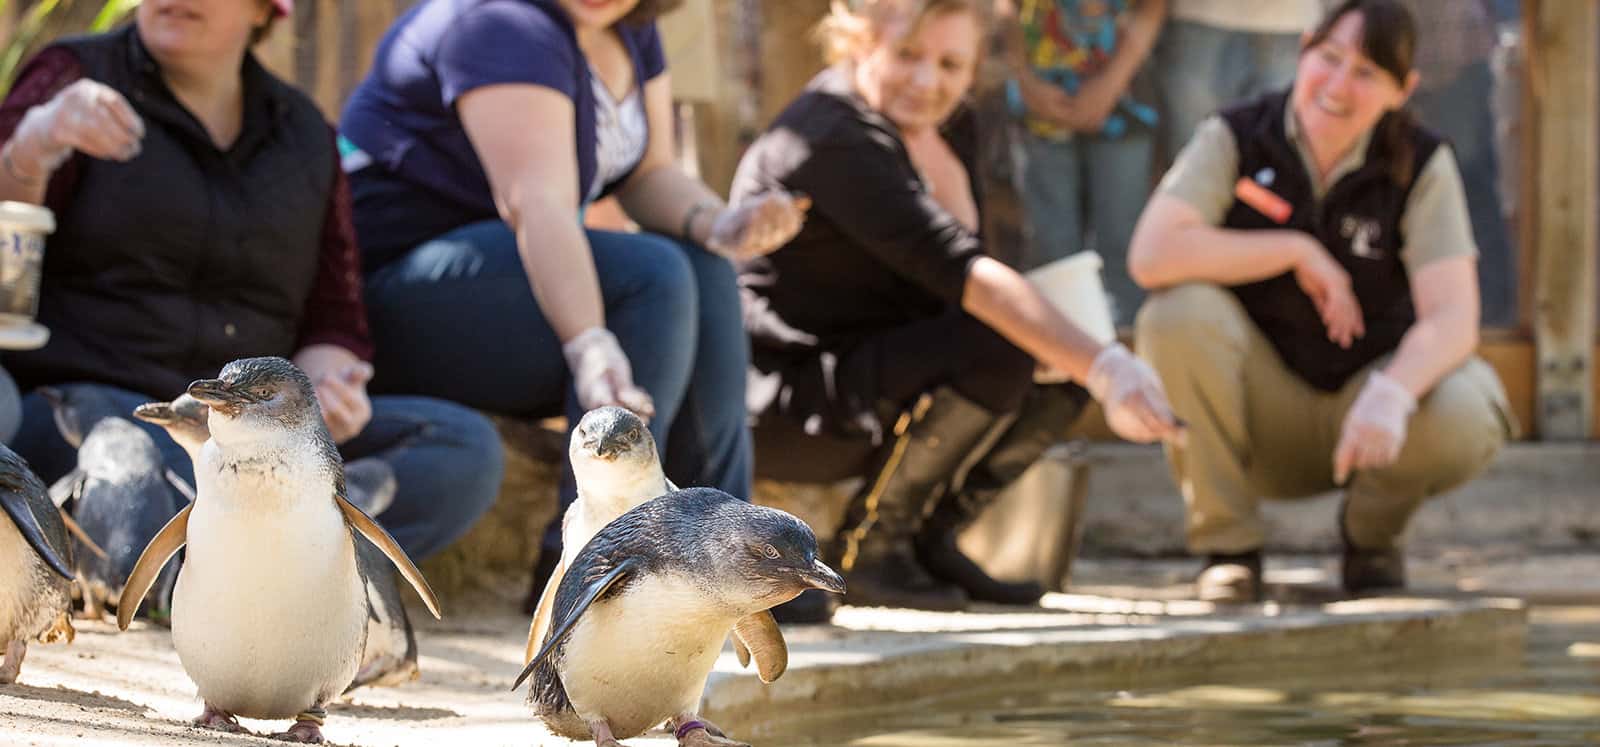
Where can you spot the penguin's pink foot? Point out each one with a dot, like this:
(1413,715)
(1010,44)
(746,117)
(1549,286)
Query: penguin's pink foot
(15,650)
(601,731)
(219,720)
(698,732)
(304,732)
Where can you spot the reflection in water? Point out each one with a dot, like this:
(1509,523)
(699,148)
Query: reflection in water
(1551,698)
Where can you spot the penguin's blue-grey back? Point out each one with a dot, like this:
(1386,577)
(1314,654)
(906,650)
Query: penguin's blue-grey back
(694,529)
(123,500)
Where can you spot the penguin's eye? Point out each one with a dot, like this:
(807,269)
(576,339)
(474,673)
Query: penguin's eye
(633,436)
(770,551)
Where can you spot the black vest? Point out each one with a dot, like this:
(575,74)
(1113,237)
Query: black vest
(166,267)
(1357,221)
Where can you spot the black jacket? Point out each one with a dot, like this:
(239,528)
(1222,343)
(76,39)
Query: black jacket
(1358,221)
(166,267)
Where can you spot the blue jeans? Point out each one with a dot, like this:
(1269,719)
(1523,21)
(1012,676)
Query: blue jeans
(446,460)
(1086,193)
(456,318)
(1201,68)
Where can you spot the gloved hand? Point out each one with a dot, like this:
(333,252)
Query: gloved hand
(1131,395)
(1375,427)
(601,374)
(87,116)
(758,225)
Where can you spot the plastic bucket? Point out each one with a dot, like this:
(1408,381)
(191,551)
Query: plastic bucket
(23,228)
(1073,285)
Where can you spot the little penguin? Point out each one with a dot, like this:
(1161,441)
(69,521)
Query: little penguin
(616,467)
(390,654)
(121,495)
(641,614)
(270,612)
(35,590)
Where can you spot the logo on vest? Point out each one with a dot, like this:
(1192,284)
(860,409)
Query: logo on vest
(1361,233)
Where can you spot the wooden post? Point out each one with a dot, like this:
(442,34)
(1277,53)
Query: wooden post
(790,55)
(1566,86)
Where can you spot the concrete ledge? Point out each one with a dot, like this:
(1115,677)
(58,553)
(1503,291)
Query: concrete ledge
(1542,496)
(894,659)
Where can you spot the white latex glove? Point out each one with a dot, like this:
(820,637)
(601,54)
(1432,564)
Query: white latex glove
(1131,395)
(1374,428)
(601,374)
(87,116)
(758,225)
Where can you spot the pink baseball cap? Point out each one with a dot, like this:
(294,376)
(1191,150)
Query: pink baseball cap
(284,7)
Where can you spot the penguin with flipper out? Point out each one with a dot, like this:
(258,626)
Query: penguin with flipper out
(389,656)
(641,614)
(270,612)
(616,467)
(36,588)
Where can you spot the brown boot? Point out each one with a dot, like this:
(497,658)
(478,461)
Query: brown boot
(1366,571)
(878,560)
(1230,578)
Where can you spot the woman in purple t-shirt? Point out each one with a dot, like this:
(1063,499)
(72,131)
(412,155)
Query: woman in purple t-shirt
(483,130)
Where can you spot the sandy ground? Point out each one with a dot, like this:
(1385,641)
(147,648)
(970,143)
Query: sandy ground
(129,688)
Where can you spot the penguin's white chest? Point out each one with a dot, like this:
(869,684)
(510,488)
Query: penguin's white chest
(640,658)
(269,612)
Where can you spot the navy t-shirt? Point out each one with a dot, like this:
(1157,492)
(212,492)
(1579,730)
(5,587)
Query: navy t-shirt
(425,178)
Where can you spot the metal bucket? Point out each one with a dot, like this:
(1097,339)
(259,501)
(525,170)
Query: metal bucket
(23,228)
(1031,532)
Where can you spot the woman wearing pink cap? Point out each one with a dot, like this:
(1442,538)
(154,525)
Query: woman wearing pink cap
(202,217)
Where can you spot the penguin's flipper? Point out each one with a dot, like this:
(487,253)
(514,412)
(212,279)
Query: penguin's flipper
(69,487)
(760,634)
(541,616)
(14,500)
(181,485)
(670,487)
(381,539)
(740,651)
(592,590)
(155,556)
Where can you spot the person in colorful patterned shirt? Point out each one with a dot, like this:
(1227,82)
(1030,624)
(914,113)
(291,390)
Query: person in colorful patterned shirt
(1088,144)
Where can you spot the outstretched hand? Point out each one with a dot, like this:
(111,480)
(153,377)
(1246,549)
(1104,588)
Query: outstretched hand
(759,225)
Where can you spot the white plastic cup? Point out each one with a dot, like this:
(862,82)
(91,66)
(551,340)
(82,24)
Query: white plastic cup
(23,228)
(1073,285)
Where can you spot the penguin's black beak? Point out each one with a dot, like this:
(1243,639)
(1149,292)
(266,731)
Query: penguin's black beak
(220,395)
(159,413)
(820,576)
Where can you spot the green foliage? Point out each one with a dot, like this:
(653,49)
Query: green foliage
(48,19)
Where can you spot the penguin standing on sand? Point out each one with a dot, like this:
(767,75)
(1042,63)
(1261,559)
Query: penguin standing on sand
(389,656)
(270,612)
(35,588)
(641,614)
(616,467)
(122,494)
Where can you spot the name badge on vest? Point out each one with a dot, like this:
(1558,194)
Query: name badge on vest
(1257,195)
(1361,233)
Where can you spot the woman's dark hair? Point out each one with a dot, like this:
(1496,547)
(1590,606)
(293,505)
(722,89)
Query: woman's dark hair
(1389,39)
(648,11)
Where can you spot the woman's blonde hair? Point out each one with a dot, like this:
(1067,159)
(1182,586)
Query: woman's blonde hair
(856,25)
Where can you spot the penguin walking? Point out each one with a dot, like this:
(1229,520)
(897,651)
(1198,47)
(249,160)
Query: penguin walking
(122,494)
(641,613)
(616,468)
(389,656)
(270,612)
(35,590)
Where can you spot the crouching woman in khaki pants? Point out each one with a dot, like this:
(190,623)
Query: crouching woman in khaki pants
(1315,309)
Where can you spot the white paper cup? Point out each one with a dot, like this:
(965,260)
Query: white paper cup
(23,228)
(1073,285)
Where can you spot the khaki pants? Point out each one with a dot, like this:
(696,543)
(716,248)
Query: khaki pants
(1258,430)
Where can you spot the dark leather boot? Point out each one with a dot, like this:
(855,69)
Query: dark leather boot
(1369,570)
(1046,415)
(878,561)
